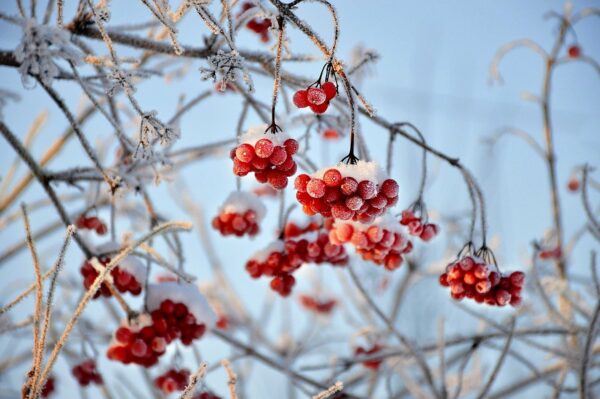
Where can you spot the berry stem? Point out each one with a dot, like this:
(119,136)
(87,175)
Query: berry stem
(273,128)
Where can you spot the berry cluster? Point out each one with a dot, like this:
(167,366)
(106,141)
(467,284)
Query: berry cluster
(91,223)
(275,261)
(269,157)
(472,278)
(257,25)
(380,242)
(416,227)
(354,191)
(317,97)
(126,277)
(370,364)
(48,387)
(315,247)
(172,380)
(240,215)
(317,305)
(183,317)
(86,373)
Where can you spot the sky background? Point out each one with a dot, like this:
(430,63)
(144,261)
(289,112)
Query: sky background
(433,72)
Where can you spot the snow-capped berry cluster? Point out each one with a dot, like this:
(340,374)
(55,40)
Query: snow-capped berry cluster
(320,306)
(172,380)
(177,311)
(470,277)
(416,227)
(91,223)
(269,157)
(355,191)
(257,25)
(240,215)
(380,242)
(370,364)
(275,261)
(315,247)
(316,97)
(128,276)
(86,373)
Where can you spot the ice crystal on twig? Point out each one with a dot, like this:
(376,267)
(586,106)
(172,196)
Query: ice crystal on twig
(152,130)
(40,46)
(227,67)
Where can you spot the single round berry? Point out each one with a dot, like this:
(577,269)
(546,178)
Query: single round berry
(574,51)
(316,188)
(316,96)
(301,99)
(319,109)
(264,148)
(349,185)
(244,152)
(291,146)
(301,182)
(332,177)
(366,189)
(329,89)
(389,188)
(279,156)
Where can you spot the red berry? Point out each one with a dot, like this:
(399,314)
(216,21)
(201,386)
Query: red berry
(245,152)
(574,51)
(366,189)
(291,146)
(316,188)
(301,99)
(349,185)
(316,96)
(340,211)
(319,109)
(278,156)
(301,182)
(332,177)
(329,89)
(263,148)
(277,179)
(390,188)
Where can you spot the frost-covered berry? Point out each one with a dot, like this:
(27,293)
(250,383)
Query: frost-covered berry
(316,96)
(301,99)
(329,89)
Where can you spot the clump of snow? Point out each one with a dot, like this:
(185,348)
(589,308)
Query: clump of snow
(188,294)
(362,170)
(242,201)
(108,247)
(256,133)
(135,267)
(40,46)
(262,255)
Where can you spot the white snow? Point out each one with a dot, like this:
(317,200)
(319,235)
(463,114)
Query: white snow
(262,255)
(256,133)
(188,294)
(108,247)
(135,267)
(363,170)
(242,201)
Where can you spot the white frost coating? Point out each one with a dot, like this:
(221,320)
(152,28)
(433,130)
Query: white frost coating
(135,267)
(241,201)
(188,294)
(363,170)
(254,134)
(108,247)
(262,255)
(40,46)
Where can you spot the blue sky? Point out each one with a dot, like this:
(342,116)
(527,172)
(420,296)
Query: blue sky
(433,72)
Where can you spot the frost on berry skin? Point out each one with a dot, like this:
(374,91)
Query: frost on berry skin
(127,276)
(381,242)
(470,277)
(185,293)
(241,214)
(86,373)
(370,364)
(315,247)
(316,305)
(276,262)
(316,97)
(40,47)
(359,192)
(172,380)
(268,156)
